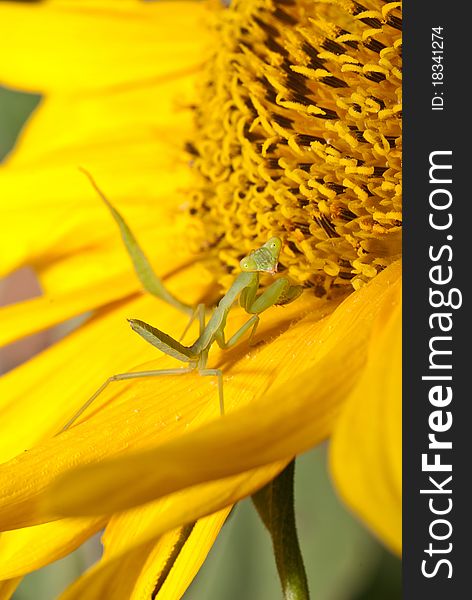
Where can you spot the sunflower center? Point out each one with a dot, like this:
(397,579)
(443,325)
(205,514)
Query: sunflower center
(299,136)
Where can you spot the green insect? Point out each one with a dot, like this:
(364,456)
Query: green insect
(245,286)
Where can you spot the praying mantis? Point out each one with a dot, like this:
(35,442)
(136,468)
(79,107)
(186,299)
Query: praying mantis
(246,285)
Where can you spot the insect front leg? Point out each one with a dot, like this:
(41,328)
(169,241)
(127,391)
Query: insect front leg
(249,293)
(280,292)
(252,324)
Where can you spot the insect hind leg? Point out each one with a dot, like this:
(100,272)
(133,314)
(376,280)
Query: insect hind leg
(219,375)
(123,377)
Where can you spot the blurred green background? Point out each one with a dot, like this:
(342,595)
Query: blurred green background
(343,561)
(14,110)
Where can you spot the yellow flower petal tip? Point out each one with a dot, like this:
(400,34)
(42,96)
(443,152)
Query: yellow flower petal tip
(366,447)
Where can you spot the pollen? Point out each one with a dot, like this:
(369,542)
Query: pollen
(298,135)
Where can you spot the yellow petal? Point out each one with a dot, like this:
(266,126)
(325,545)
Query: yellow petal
(297,414)
(112,580)
(25,318)
(37,398)
(154,409)
(366,448)
(8,587)
(130,139)
(148,522)
(28,549)
(75,126)
(136,575)
(189,562)
(51,211)
(90,44)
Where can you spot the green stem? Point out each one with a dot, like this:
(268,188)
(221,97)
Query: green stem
(275,505)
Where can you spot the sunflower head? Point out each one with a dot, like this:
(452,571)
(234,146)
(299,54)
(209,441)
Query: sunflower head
(263,259)
(298,135)
(296,151)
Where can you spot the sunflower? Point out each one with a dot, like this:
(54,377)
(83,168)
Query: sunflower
(211,128)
